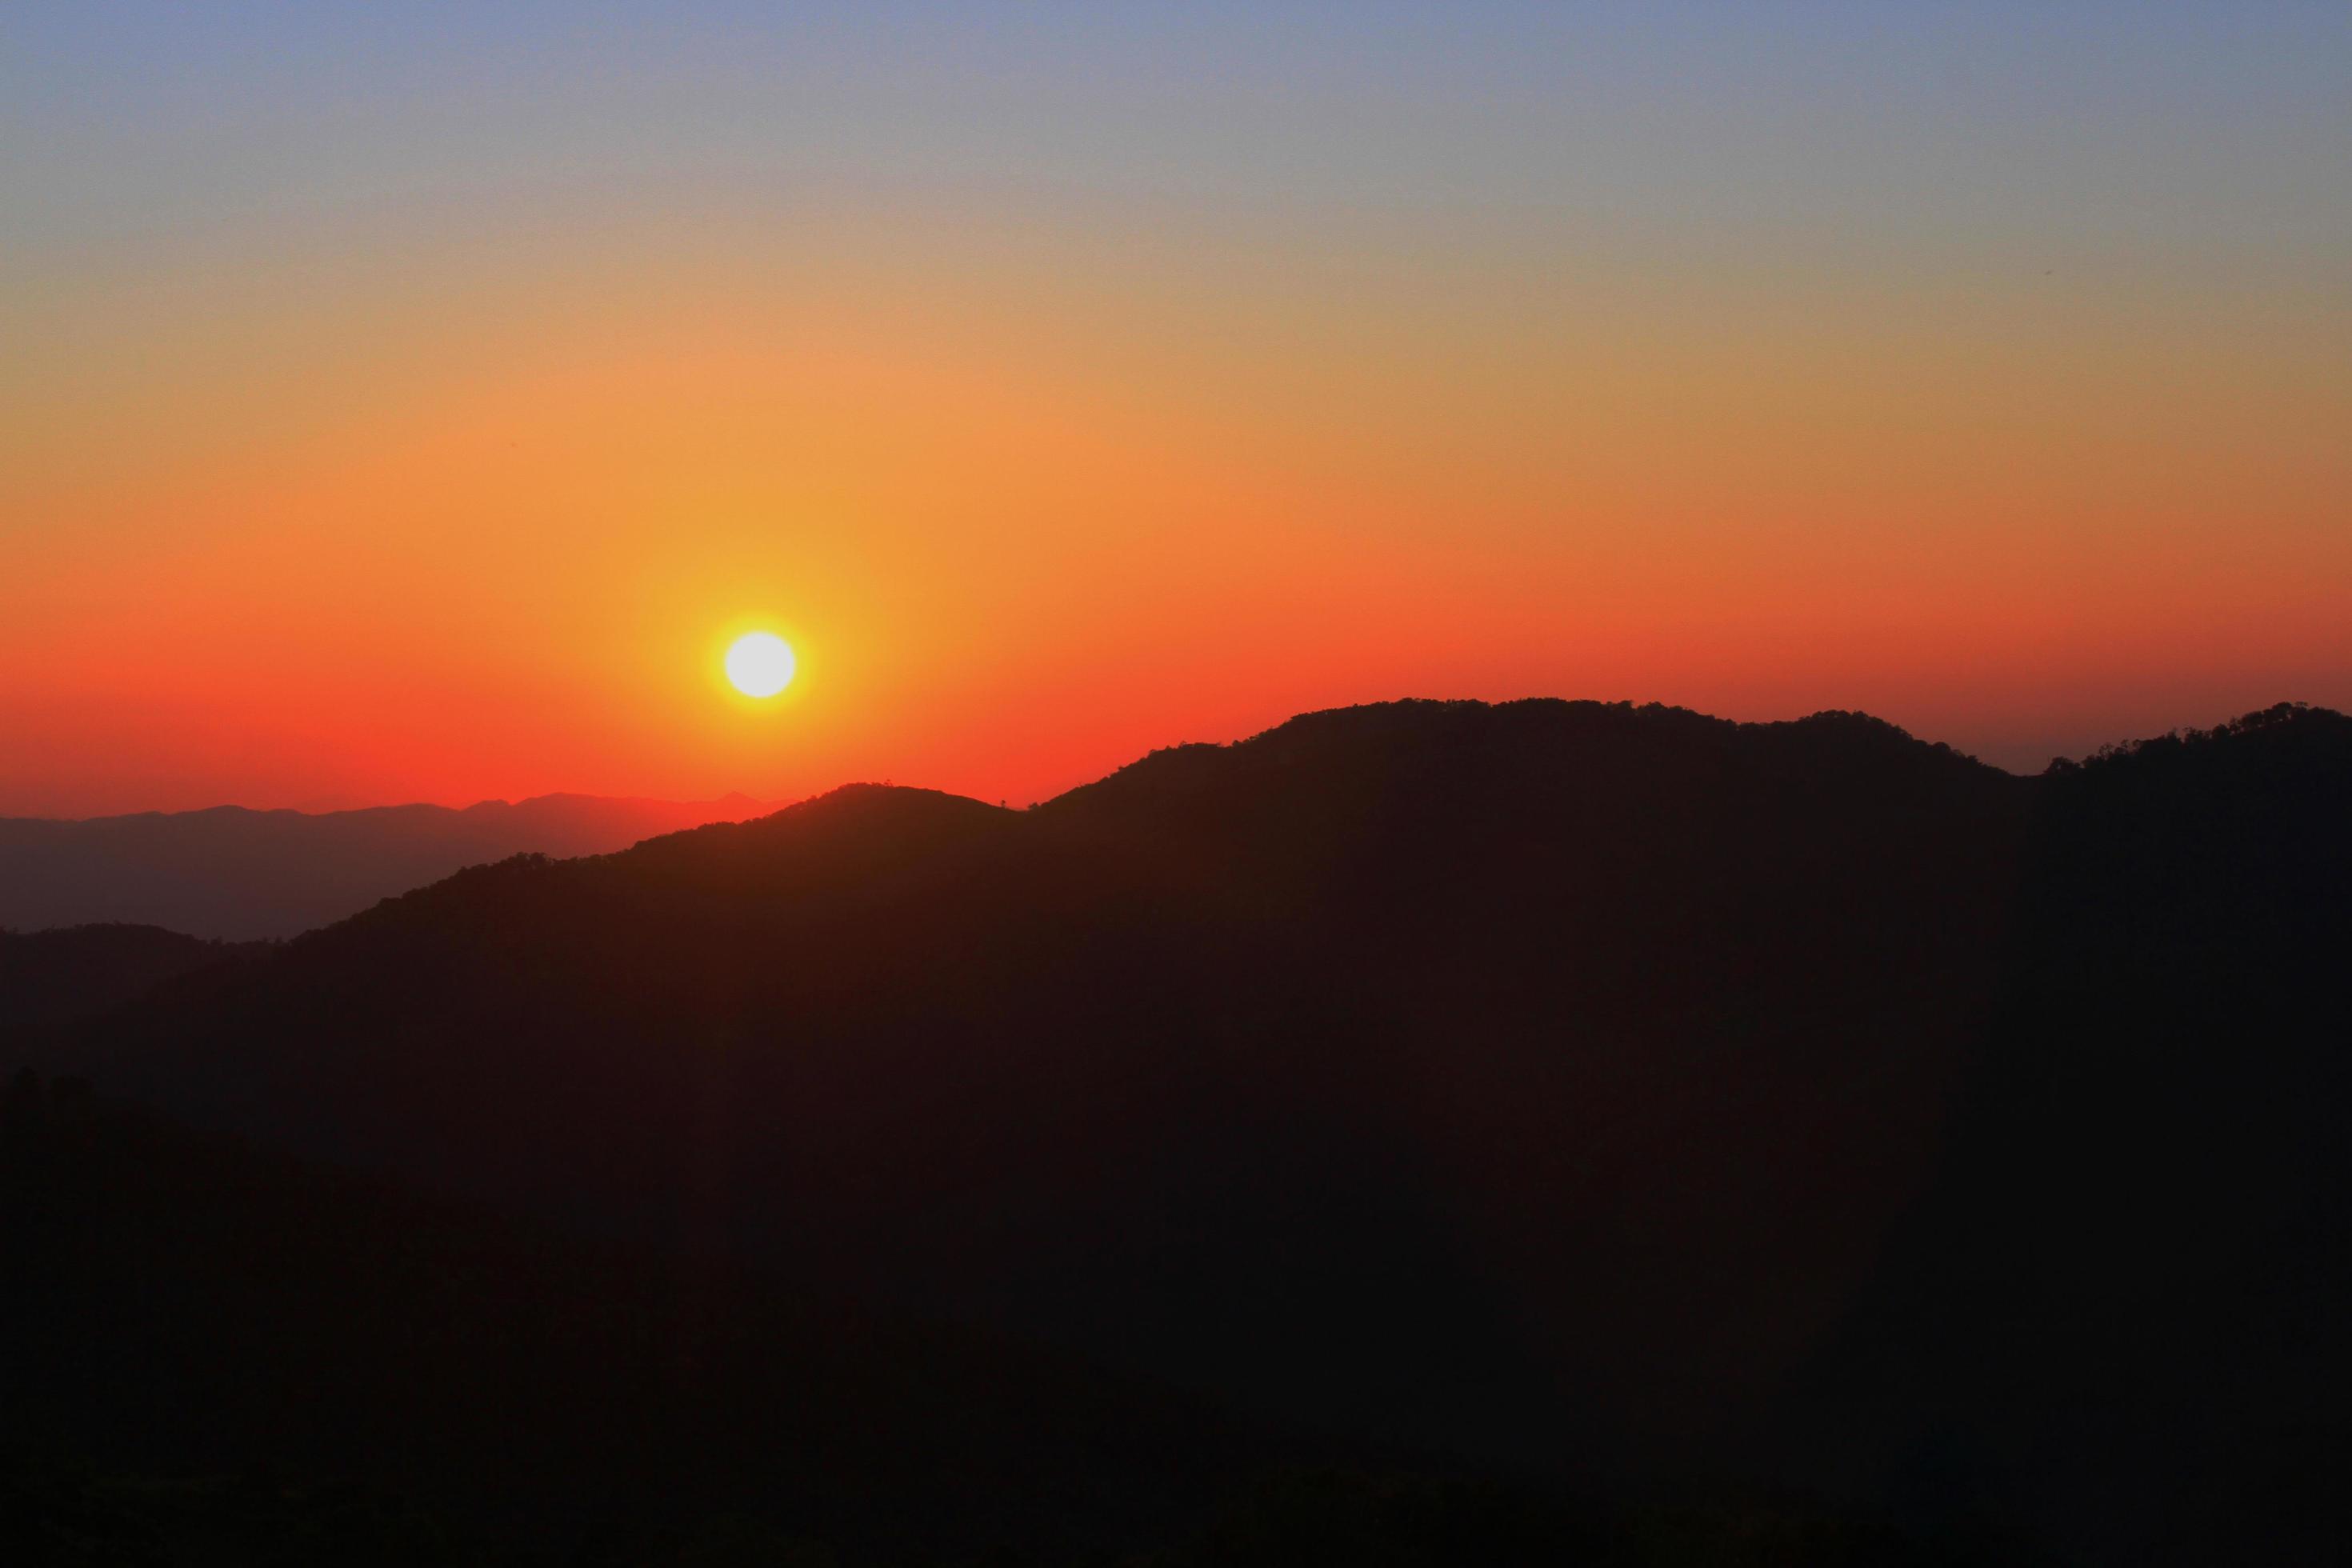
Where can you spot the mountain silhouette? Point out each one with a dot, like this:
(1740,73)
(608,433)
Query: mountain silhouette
(1577,1090)
(240,875)
(2126,1296)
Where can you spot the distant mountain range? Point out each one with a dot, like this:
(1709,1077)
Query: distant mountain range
(239,875)
(1613,1100)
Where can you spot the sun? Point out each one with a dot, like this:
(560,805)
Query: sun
(759,664)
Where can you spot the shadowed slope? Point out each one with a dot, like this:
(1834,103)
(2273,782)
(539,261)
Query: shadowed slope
(51,978)
(180,1304)
(2124,1303)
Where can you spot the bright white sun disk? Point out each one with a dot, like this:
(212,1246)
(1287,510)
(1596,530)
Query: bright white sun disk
(759,664)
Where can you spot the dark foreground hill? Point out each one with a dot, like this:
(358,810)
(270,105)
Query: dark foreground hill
(218,1354)
(206,1308)
(1614,1096)
(240,875)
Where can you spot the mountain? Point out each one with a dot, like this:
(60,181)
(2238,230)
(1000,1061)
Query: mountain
(1613,1095)
(2129,1288)
(240,875)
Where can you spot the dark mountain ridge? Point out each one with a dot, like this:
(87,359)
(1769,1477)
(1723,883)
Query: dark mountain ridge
(1580,1089)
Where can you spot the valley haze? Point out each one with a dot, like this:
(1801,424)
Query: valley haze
(236,874)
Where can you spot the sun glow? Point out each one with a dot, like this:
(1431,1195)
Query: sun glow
(759,664)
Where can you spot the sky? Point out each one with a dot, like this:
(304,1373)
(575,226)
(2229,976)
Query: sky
(409,403)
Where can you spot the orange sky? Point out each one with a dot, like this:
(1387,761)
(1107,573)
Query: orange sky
(438,495)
